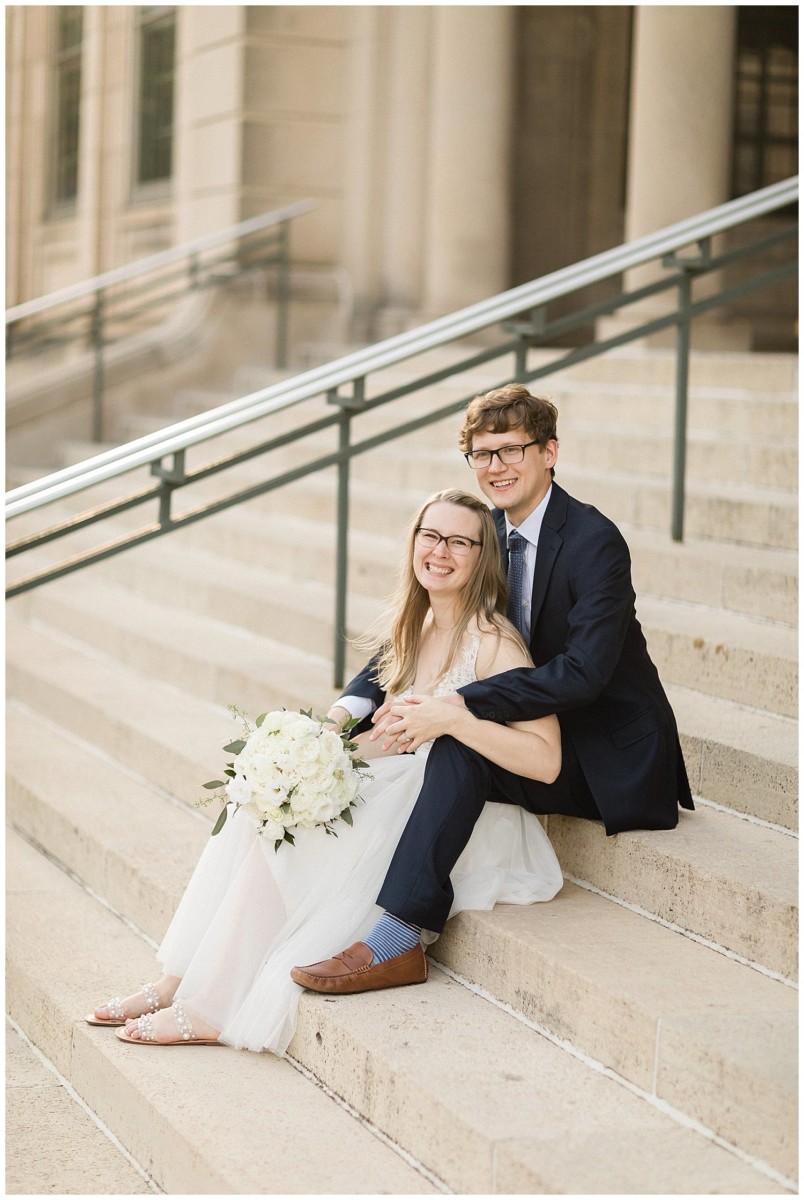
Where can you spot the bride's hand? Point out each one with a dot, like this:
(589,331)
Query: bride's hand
(418,719)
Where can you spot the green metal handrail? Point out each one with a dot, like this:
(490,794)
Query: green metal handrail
(522,315)
(84,312)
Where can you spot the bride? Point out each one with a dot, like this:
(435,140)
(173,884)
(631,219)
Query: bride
(250,913)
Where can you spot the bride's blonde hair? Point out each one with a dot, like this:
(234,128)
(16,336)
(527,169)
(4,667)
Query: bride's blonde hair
(485,597)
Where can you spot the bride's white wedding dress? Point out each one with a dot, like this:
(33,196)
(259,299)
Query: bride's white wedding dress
(250,913)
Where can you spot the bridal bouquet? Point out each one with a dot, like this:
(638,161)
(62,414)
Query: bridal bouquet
(291,769)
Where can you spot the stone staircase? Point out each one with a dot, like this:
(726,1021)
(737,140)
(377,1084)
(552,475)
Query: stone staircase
(637,1035)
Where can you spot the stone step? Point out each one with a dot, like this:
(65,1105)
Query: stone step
(749,516)
(711,876)
(168,1110)
(607,980)
(52,1143)
(737,657)
(749,873)
(723,654)
(209,658)
(521,1115)
(760,372)
(712,456)
(595,418)
(755,580)
(561,965)
(736,757)
(455,1081)
(745,378)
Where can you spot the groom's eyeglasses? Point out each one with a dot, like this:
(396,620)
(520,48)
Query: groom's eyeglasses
(478,459)
(428,539)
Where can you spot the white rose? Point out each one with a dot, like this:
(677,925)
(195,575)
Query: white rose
(273,831)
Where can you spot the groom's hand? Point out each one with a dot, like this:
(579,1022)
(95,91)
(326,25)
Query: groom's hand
(418,719)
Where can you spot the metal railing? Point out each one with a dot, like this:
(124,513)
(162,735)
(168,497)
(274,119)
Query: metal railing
(522,314)
(103,310)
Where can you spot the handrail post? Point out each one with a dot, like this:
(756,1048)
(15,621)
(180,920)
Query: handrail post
(533,326)
(682,395)
(687,267)
(348,406)
(98,373)
(169,478)
(282,292)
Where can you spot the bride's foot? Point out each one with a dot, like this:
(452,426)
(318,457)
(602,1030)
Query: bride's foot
(150,998)
(170,1027)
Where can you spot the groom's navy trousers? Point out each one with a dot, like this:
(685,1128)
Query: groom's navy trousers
(621,758)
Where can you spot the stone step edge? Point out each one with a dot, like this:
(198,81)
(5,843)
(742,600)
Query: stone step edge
(677,1116)
(703,802)
(601,1068)
(33,841)
(80,1029)
(668,617)
(701,940)
(319,666)
(671,609)
(194,814)
(43,823)
(82,1104)
(363,607)
(303,1071)
(727,814)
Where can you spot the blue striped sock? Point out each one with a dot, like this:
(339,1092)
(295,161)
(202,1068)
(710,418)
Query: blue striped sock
(391,937)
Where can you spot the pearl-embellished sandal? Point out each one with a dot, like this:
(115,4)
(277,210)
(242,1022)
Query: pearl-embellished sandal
(115,1007)
(145,1027)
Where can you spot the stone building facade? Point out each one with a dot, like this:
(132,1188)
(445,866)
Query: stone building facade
(451,152)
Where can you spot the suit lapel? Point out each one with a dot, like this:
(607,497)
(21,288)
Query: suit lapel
(550,542)
(499,521)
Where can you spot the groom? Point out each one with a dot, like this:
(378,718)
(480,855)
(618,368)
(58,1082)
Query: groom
(572,599)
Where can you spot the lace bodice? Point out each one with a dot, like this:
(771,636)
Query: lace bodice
(462,672)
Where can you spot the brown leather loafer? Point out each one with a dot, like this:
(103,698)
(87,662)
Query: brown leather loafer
(351,971)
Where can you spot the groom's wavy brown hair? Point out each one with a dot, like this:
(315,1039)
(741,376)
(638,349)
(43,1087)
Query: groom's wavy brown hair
(510,407)
(485,597)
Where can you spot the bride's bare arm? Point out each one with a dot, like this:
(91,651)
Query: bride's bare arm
(528,748)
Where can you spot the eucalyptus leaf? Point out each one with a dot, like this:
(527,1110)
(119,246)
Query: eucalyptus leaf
(260,719)
(214,784)
(235,747)
(346,816)
(221,821)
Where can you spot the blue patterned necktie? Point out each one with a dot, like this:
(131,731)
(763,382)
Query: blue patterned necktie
(516,578)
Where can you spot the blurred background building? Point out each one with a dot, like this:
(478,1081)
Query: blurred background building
(451,152)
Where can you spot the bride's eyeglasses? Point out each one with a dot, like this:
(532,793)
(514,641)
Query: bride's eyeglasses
(428,539)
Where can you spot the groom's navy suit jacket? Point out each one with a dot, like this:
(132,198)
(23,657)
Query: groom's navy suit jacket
(592,668)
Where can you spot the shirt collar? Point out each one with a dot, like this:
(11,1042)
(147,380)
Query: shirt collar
(531,526)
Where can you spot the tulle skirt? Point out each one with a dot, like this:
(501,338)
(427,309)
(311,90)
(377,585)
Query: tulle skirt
(250,912)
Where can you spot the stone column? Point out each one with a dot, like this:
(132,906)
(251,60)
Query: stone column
(208,118)
(93,188)
(680,137)
(466,247)
(16,226)
(363,188)
(405,167)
